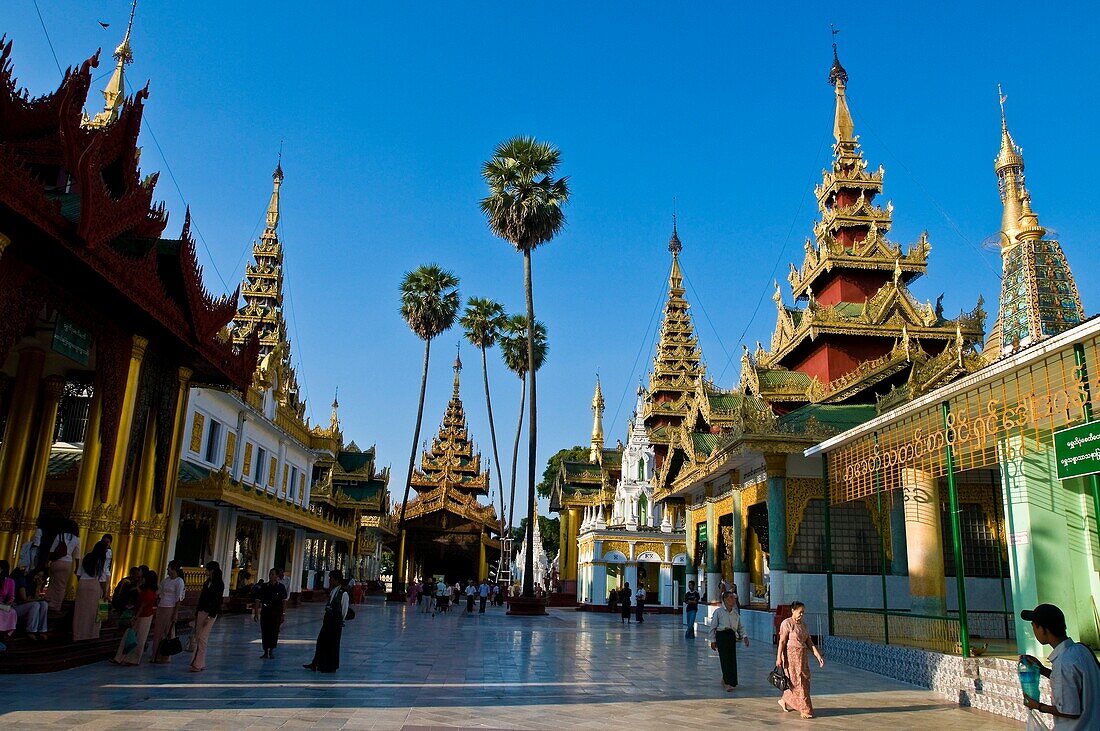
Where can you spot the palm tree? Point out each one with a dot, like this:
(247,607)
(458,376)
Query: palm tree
(524,207)
(429,305)
(513,347)
(482,321)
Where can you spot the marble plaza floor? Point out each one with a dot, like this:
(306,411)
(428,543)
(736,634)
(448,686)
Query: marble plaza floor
(410,671)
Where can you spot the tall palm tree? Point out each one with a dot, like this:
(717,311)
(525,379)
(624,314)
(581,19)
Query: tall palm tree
(429,305)
(482,322)
(513,347)
(524,207)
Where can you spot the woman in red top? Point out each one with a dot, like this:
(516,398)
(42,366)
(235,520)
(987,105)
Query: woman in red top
(143,620)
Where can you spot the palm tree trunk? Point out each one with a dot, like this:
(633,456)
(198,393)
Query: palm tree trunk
(532,433)
(493,435)
(399,568)
(515,456)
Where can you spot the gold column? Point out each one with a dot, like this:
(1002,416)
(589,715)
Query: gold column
(157,553)
(125,422)
(32,500)
(89,467)
(482,562)
(924,542)
(401,575)
(131,540)
(13,450)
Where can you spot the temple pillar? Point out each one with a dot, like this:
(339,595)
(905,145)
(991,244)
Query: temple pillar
(265,557)
(84,496)
(16,441)
(777,525)
(567,567)
(713,574)
(482,562)
(297,562)
(899,564)
(52,388)
(740,568)
(125,422)
(130,542)
(158,543)
(399,565)
(924,542)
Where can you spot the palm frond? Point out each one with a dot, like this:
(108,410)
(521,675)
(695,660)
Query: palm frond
(429,300)
(513,344)
(482,321)
(525,202)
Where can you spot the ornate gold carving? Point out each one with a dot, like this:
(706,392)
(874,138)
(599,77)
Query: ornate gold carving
(230,449)
(196,432)
(800,491)
(273,464)
(246,468)
(286,478)
(138,351)
(4,241)
(621,546)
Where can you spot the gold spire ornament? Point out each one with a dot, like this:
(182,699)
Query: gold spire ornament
(115,91)
(595,453)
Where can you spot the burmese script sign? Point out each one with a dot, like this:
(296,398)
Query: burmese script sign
(1077,450)
(72,341)
(994,422)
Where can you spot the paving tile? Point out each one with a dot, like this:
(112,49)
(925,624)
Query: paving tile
(572,670)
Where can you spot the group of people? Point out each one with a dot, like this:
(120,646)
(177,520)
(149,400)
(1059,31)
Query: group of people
(621,599)
(148,607)
(441,597)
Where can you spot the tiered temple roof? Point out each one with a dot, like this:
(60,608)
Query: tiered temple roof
(262,312)
(1039,296)
(677,365)
(855,332)
(450,477)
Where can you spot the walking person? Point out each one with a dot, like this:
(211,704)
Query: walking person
(624,604)
(440,598)
(170,596)
(471,592)
(691,609)
(326,657)
(207,610)
(64,549)
(144,611)
(483,595)
(613,601)
(1074,673)
(268,611)
(639,604)
(412,593)
(726,631)
(795,644)
(89,593)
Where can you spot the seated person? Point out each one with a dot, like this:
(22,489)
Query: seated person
(29,606)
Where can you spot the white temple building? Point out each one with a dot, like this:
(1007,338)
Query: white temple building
(637,544)
(541,565)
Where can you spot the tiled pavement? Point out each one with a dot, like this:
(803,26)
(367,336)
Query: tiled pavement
(400,671)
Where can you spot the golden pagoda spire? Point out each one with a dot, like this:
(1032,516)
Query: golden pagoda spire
(1009,166)
(115,91)
(334,420)
(675,279)
(457,367)
(273,206)
(843,128)
(595,454)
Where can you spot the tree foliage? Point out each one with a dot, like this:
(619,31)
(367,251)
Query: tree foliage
(550,528)
(572,454)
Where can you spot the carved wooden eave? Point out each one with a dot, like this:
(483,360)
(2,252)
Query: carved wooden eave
(447,499)
(117,233)
(217,487)
(873,252)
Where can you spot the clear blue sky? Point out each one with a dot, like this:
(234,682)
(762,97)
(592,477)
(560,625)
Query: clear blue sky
(388,109)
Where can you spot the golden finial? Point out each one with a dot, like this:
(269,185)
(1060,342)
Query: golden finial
(273,205)
(595,452)
(1010,155)
(457,365)
(843,128)
(674,244)
(1009,166)
(115,91)
(334,420)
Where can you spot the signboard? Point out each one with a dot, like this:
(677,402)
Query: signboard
(1077,450)
(71,340)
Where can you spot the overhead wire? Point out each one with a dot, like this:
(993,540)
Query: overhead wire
(646,342)
(778,258)
(45,32)
(982,254)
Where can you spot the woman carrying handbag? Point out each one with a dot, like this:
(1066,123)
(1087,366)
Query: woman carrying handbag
(792,656)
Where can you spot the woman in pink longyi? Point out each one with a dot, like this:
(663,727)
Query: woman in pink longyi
(794,644)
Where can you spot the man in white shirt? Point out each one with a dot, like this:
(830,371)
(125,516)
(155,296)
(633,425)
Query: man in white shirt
(471,592)
(1074,673)
(725,632)
(440,597)
(63,550)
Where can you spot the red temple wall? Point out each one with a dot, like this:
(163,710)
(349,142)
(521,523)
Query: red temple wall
(829,360)
(850,286)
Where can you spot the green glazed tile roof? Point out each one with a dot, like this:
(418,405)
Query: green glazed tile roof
(771,378)
(834,416)
(191,472)
(704,443)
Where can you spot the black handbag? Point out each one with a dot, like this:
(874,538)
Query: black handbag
(779,679)
(170,646)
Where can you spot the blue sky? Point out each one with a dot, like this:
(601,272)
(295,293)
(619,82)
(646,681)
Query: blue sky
(387,110)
